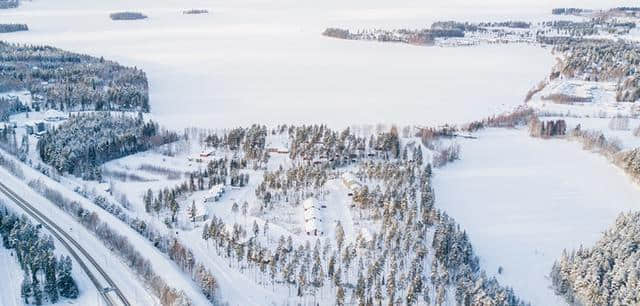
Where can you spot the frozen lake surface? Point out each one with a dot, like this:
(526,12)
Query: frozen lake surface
(524,200)
(265,61)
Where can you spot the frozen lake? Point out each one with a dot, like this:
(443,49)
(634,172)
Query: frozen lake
(265,61)
(524,200)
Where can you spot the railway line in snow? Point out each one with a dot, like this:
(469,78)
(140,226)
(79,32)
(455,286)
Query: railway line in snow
(80,255)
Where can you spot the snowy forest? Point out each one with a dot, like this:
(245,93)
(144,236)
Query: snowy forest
(616,61)
(392,266)
(605,274)
(6,4)
(80,145)
(47,278)
(68,81)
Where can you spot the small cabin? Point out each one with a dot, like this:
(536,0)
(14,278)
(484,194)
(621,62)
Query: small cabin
(205,154)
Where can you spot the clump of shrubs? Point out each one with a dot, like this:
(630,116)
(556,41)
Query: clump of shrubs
(195,12)
(127,16)
(13,27)
(547,129)
(619,123)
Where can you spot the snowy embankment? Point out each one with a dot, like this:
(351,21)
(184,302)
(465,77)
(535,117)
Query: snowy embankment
(523,200)
(624,135)
(121,274)
(10,270)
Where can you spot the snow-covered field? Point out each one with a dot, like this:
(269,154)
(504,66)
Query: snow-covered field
(600,100)
(10,270)
(625,136)
(523,200)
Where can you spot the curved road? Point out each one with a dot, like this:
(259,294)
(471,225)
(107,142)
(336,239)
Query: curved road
(67,241)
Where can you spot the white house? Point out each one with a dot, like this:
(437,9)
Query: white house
(351,182)
(312,217)
(279,150)
(215,193)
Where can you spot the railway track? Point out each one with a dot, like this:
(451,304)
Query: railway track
(76,251)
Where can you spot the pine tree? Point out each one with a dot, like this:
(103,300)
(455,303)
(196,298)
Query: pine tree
(339,235)
(234,208)
(411,295)
(25,289)
(245,209)
(337,281)
(24,148)
(193,212)
(206,231)
(265,228)
(391,280)
(418,156)
(317,273)
(340,297)
(302,279)
(378,293)
(50,283)
(360,288)
(332,265)
(148,201)
(256,228)
(37,292)
(173,204)
(66,285)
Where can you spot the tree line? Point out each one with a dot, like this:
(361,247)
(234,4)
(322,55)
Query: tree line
(13,27)
(69,81)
